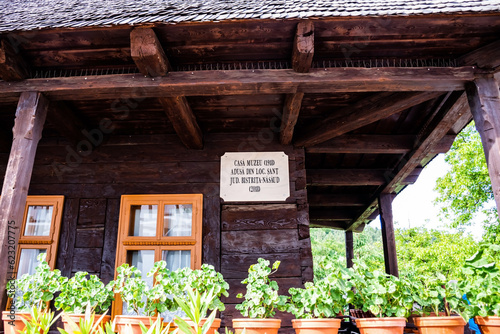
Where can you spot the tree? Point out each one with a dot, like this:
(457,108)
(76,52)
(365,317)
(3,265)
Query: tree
(465,191)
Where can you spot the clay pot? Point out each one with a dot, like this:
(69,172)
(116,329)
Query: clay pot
(488,325)
(13,323)
(256,326)
(389,325)
(440,325)
(76,318)
(129,324)
(316,326)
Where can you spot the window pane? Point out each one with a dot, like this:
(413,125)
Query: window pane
(144,261)
(177,220)
(28,261)
(143,220)
(177,258)
(38,220)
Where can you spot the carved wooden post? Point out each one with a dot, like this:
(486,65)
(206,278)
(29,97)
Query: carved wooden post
(484,102)
(388,239)
(30,117)
(349,248)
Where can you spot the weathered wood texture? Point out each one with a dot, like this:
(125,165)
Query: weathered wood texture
(388,237)
(303,47)
(67,123)
(12,65)
(147,52)
(349,248)
(30,118)
(486,57)
(291,110)
(484,100)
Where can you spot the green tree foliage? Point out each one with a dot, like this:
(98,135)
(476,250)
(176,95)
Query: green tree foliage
(465,191)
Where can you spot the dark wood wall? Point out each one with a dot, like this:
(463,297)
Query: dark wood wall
(234,235)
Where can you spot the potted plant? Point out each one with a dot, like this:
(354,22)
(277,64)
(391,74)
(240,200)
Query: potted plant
(261,301)
(316,306)
(79,293)
(439,300)
(39,321)
(196,307)
(387,297)
(89,323)
(31,291)
(483,291)
(143,301)
(178,282)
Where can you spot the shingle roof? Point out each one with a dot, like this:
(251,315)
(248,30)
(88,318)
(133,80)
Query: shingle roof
(37,14)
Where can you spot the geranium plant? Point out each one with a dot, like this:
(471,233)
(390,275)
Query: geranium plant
(36,290)
(324,298)
(261,298)
(79,292)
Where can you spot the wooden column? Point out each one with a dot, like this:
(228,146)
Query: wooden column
(349,248)
(484,102)
(388,239)
(30,117)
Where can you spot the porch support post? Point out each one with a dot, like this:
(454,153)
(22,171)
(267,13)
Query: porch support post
(484,102)
(388,239)
(349,248)
(30,117)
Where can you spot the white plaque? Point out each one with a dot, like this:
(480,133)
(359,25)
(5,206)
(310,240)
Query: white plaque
(254,177)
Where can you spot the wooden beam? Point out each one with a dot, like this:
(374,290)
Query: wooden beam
(369,144)
(349,248)
(30,117)
(316,199)
(330,214)
(12,65)
(367,111)
(448,112)
(486,57)
(388,238)
(336,225)
(291,110)
(351,177)
(180,114)
(303,47)
(241,82)
(147,53)
(484,100)
(66,122)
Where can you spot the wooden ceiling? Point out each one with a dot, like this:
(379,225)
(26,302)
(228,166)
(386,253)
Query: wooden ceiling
(372,100)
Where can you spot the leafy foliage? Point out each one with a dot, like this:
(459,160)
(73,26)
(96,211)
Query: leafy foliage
(88,324)
(78,292)
(466,189)
(196,307)
(157,327)
(262,298)
(36,290)
(325,298)
(40,321)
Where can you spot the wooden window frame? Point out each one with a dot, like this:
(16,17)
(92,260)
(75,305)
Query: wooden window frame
(159,242)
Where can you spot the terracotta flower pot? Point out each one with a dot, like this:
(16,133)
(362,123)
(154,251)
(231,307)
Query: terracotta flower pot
(440,325)
(215,325)
(76,318)
(13,323)
(389,325)
(488,325)
(316,326)
(256,326)
(129,324)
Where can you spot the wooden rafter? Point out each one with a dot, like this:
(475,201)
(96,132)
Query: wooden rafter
(242,82)
(353,177)
(147,52)
(367,111)
(486,57)
(12,65)
(388,237)
(182,118)
(67,123)
(330,214)
(291,110)
(332,200)
(449,111)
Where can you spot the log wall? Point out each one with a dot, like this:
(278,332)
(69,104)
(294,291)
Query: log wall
(234,235)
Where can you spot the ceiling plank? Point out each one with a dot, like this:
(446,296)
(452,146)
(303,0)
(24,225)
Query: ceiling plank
(331,214)
(67,123)
(241,82)
(184,121)
(12,65)
(369,144)
(451,110)
(345,177)
(303,47)
(316,199)
(486,57)
(147,53)
(364,112)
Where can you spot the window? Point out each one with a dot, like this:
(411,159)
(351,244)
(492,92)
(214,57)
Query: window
(159,227)
(39,232)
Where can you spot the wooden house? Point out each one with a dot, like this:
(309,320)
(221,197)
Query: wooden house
(115,117)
